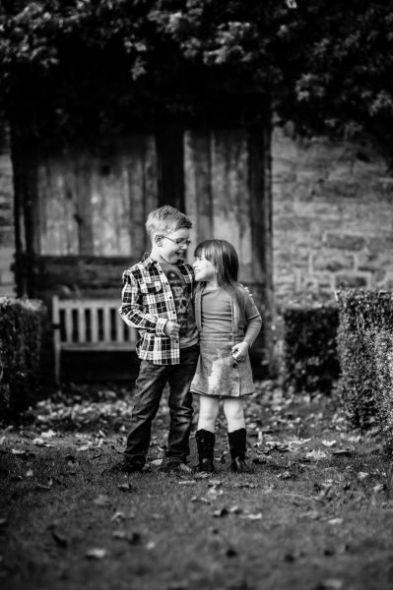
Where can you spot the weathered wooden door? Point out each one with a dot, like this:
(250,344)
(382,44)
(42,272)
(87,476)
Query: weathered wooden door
(84,212)
(227,196)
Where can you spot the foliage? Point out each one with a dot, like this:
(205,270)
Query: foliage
(100,65)
(365,351)
(310,356)
(384,371)
(21,329)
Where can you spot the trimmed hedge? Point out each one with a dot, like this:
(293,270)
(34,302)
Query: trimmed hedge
(21,330)
(310,349)
(365,346)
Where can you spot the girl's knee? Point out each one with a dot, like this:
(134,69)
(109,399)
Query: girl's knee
(233,410)
(208,412)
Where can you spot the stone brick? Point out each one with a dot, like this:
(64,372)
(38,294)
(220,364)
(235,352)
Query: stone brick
(7,291)
(333,262)
(351,281)
(6,277)
(7,237)
(377,245)
(292,223)
(345,242)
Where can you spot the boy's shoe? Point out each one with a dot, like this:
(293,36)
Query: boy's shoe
(176,467)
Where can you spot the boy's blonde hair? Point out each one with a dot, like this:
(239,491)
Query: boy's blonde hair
(165,220)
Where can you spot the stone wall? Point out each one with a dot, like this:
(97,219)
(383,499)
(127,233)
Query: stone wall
(332,218)
(7,235)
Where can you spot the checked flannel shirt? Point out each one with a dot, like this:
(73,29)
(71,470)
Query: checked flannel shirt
(147,304)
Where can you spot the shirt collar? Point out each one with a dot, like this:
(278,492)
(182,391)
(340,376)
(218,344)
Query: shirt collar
(148,261)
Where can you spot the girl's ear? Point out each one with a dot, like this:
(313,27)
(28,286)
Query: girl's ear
(157,239)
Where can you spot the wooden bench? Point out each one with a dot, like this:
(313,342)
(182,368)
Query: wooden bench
(89,325)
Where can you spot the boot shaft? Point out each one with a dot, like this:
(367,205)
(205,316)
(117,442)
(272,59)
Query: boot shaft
(205,443)
(237,446)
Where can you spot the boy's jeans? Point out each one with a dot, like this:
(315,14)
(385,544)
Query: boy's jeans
(148,390)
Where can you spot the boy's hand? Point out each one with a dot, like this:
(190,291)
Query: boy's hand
(172,329)
(239,351)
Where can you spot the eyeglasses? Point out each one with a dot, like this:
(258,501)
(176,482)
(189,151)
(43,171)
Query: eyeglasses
(179,241)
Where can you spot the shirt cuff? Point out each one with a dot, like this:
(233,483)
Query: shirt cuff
(160,326)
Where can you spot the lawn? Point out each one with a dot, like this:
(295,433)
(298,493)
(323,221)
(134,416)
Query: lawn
(314,515)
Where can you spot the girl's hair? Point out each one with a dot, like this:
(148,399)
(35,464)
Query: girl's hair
(223,256)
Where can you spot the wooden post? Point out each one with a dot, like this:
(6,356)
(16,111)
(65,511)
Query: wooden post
(170,165)
(261,223)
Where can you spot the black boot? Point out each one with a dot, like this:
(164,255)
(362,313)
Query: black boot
(205,443)
(237,447)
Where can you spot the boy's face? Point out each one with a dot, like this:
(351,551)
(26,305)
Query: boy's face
(172,247)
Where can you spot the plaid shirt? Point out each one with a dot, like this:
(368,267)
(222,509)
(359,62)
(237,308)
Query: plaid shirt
(147,304)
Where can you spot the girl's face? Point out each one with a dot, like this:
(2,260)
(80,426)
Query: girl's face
(204,269)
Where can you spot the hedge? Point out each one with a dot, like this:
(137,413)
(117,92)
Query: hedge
(21,330)
(310,350)
(365,346)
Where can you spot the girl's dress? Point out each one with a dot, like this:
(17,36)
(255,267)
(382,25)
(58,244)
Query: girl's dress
(224,319)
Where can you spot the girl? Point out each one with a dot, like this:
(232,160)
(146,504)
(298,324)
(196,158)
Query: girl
(228,323)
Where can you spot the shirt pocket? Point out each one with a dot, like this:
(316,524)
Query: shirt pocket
(151,287)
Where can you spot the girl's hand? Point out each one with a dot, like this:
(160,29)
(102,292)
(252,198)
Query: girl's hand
(239,351)
(172,329)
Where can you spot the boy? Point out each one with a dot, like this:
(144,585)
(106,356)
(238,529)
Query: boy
(156,299)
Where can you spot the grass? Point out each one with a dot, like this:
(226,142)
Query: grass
(314,514)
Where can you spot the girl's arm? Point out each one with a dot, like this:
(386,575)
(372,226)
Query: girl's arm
(253,320)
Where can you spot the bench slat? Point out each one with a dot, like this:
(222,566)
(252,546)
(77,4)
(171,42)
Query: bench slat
(89,324)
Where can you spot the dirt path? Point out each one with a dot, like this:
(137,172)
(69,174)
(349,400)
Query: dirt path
(314,515)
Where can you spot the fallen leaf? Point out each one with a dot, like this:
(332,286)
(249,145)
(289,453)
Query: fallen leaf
(256,516)
(214,483)
(342,452)
(200,499)
(18,452)
(330,584)
(3,521)
(378,488)
(186,482)
(101,500)
(329,443)
(316,455)
(48,434)
(29,473)
(118,516)
(335,521)
(151,545)
(235,510)
(156,462)
(59,538)
(312,514)
(42,487)
(125,487)
(220,513)
(96,553)
(131,538)
(362,475)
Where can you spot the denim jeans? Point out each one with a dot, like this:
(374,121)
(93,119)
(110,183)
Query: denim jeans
(148,391)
